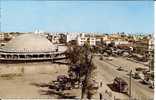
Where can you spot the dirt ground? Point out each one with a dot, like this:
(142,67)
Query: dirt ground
(22,85)
(17,80)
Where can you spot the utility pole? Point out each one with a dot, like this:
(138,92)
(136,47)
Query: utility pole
(150,60)
(130,85)
(150,54)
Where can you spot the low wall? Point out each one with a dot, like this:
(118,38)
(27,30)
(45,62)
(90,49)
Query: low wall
(32,68)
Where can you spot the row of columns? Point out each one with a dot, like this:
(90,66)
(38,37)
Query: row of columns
(26,56)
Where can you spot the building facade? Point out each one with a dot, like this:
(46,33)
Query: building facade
(28,47)
(82,39)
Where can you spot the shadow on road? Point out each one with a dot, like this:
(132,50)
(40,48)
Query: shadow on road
(114,89)
(52,91)
(40,84)
(61,95)
(61,63)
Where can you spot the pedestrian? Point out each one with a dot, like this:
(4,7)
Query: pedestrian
(106,91)
(110,94)
(114,98)
(100,94)
(100,84)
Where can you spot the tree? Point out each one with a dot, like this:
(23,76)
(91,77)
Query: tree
(82,56)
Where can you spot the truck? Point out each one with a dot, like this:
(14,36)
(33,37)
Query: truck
(120,85)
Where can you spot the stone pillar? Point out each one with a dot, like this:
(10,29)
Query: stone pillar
(37,56)
(18,57)
(11,56)
(51,57)
(5,56)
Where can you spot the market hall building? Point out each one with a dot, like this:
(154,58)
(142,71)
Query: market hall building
(28,48)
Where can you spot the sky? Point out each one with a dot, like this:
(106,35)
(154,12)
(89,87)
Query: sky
(77,16)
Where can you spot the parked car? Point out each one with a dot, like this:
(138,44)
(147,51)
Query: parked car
(151,83)
(120,68)
(110,58)
(120,85)
(138,75)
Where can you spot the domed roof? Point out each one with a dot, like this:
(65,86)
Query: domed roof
(29,43)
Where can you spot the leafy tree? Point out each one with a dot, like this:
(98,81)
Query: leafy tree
(82,56)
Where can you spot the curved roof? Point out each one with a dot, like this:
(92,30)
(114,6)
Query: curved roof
(29,43)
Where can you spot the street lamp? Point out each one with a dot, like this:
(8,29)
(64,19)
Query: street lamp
(130,85)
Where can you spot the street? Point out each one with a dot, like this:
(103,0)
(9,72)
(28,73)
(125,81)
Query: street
(106,71)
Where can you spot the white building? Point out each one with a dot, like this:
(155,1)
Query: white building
(71,36)
(107,42)
(92,41)
(82,39)
(151,44)
(105,38)
(2,36)
(119,42)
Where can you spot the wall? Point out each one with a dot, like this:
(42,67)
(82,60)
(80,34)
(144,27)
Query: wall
(31,68)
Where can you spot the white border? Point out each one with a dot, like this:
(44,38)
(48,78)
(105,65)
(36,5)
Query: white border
(154,48)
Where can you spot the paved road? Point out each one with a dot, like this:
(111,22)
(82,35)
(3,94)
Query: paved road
(108,72)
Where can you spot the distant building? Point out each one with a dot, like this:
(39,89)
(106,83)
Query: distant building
(71,36)
(92,41)
(2,36)
(150,42)
(105,37)
(119,42)
(82,39)
(54,38)
(5,37)
(107,42)
(99,40)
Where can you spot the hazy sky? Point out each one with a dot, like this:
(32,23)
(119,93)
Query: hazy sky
(77,16)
